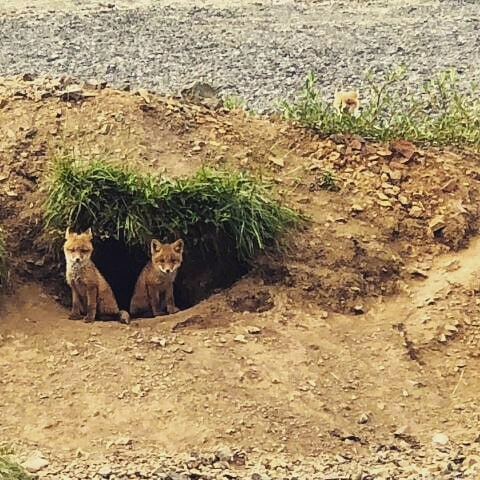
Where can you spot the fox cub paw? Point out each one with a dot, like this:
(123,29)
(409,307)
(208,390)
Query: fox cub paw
(75,316)
(172,309)
(124,317)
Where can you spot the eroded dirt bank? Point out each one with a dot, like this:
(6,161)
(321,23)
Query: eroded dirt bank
(356,353)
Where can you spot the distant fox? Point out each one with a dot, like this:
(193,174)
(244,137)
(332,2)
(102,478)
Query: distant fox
(347,102)
(92,296)
(153,292)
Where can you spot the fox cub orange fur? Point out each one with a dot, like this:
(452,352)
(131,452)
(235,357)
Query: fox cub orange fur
(92,296)
(347,102)
(153,292)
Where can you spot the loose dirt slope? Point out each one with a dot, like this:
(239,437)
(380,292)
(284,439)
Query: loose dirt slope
(348,353)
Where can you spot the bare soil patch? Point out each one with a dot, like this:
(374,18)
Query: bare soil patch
(367,325)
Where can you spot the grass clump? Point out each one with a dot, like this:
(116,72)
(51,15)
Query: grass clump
(205,209)
(9,469)
(233,102)
(438,113)
(327,180)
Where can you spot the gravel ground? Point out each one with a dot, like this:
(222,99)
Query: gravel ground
(393,462)
(260,51)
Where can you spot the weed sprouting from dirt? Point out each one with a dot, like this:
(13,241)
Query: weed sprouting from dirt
(326,181)
(3,262)
(9,469)
(207,209)
(439,113)
(234,102)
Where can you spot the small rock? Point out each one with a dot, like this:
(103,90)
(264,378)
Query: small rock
(240,339)
(35,463)
(105,471)
(123,441)
(415,211)
(224,453)
(358,309)
(395,175)
(363,419)
(436,223)
(440,438)
(253,330)
(384,152)
(404,148)
(357,208)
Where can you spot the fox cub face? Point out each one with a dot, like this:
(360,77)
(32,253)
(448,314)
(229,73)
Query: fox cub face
(347,102)
(167,257)
(78,247)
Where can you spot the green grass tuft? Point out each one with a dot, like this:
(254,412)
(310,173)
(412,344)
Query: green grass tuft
(205,209)
(440,113)
(9,469)
(327,180)
(234,102)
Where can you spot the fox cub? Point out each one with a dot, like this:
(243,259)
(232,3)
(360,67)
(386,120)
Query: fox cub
(92,296)
(347,102)
(154,288)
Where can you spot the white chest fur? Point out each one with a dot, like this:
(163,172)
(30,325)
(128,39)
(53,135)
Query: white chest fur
(75,271)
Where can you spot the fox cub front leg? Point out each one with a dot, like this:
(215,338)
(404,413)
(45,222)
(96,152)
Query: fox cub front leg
(76,312)
(92,297)
(153,292)
(170,301)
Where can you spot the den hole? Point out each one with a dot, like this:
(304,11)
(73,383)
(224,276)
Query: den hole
(202,272)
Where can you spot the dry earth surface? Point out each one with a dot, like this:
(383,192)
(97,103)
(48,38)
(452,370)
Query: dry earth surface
(355,355)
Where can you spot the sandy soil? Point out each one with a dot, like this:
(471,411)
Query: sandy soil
(371,323)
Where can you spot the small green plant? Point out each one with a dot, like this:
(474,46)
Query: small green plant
(205,209)
(439,113)
(237,103)
(233,102)
(9,469)
(326,181)
(3,262)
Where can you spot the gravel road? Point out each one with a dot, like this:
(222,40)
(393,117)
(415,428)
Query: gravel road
(260,51)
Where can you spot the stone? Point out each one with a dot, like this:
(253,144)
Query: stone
(440,438)
(415,211)
(363,419)
(436,223)
(357,208)
(224,453)
(240,338)
(404,148)
(35,463)
(105,471)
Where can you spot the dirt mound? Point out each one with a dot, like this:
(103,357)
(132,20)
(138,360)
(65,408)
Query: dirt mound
(394,202)
(264,366)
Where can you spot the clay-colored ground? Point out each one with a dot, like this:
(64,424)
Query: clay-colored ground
(313,368)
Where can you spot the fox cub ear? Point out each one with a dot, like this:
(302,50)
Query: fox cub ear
(67,233)
(155,246)
(89,233)
(178,245)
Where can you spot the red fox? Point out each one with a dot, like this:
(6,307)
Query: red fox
(347,102)
(92,296)
(154,288)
